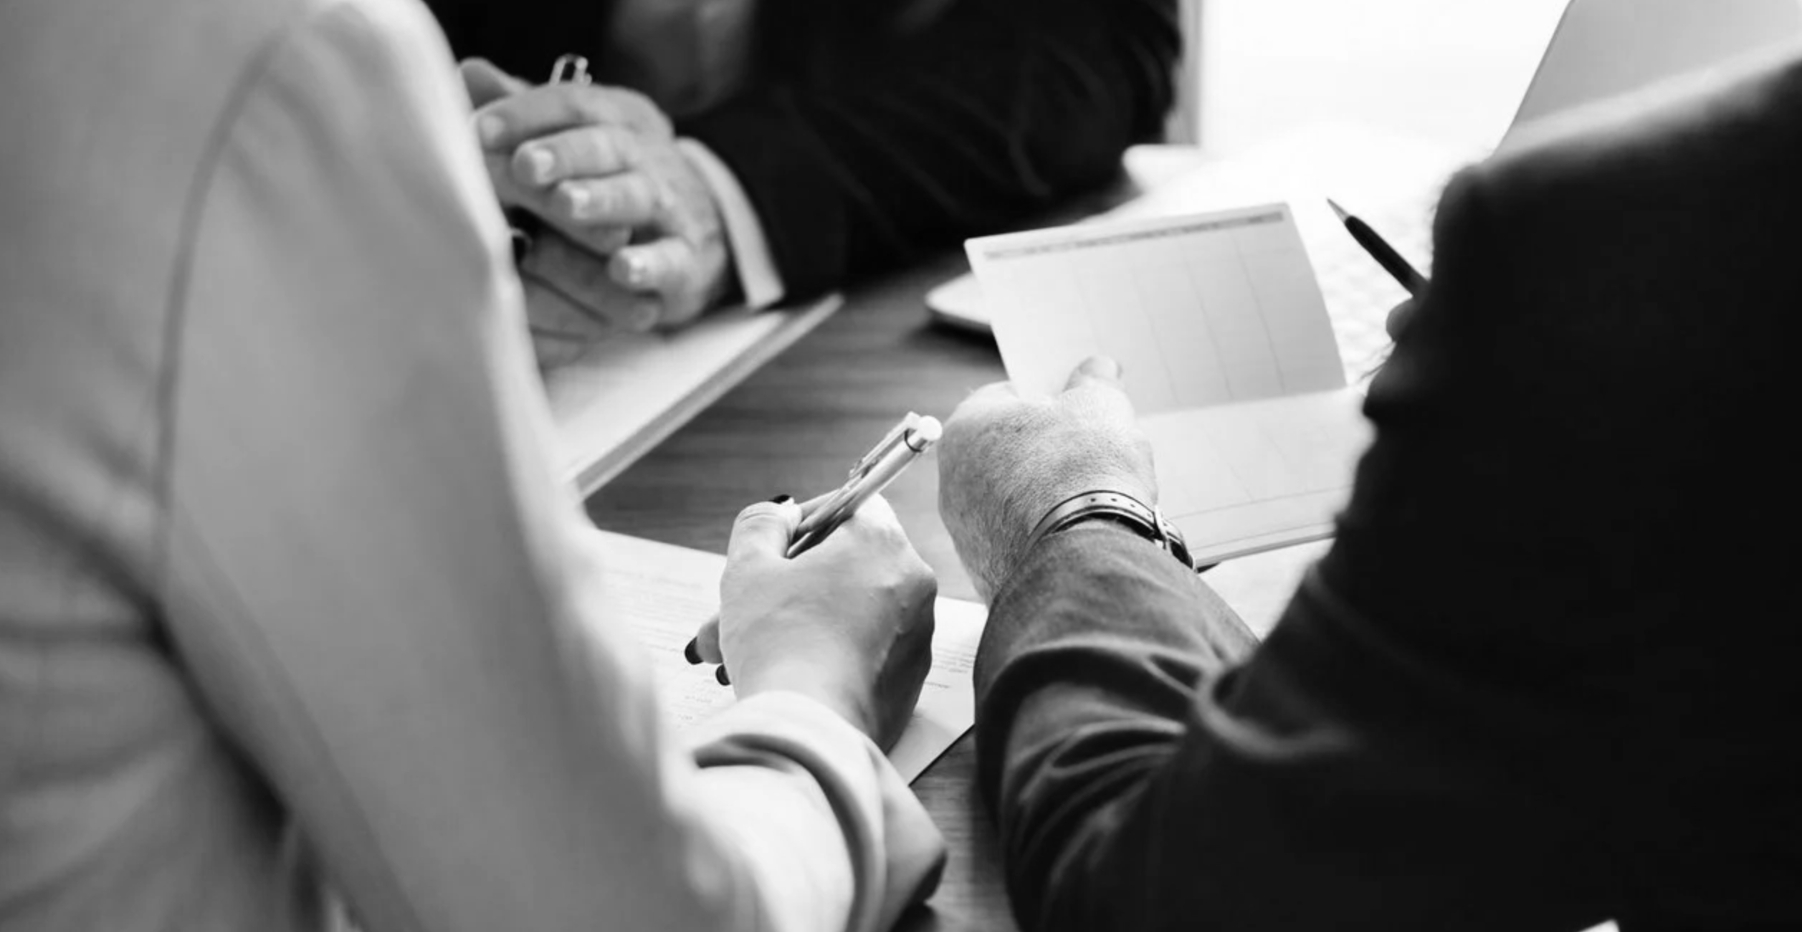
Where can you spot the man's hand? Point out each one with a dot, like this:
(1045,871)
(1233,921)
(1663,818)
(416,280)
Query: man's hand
(601,166)
(849,622)
(1005,461)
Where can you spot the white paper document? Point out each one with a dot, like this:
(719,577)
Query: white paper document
(625,395)
(665,593)
(1228,354)
(1390,180)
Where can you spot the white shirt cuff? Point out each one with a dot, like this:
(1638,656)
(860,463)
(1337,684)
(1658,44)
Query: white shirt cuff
(895,852)
(758,279)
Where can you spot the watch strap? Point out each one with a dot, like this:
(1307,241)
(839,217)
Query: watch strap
(1127,510)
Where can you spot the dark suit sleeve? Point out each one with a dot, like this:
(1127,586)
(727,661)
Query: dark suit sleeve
(871,149)
(1394,757)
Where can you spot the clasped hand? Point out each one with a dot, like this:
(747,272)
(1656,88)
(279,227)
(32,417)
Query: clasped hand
(630,237)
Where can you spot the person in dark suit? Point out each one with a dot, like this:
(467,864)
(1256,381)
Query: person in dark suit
(765,150)
(1545,676)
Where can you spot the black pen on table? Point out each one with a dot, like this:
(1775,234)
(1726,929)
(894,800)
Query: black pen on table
(904,443)
(1380,250)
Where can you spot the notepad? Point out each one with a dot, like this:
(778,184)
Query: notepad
(665,593)
(624,395)
(1229,356)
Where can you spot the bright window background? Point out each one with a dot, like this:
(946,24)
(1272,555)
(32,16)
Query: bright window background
(1450,71)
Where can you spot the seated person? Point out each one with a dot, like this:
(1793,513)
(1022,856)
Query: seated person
(762,150)
(1544,676)
(283,556)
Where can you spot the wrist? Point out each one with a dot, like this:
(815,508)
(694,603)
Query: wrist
(1116,507)
(805,678)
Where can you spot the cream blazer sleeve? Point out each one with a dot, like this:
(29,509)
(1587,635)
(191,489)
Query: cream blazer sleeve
(378,583)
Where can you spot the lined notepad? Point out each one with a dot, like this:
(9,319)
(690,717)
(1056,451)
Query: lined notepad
(1229,356)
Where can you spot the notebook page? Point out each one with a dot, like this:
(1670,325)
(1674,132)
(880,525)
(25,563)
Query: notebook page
(1242,478)
(623,396)
(1199,310)
(665,593)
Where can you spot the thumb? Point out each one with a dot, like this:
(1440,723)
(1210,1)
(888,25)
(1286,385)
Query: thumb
(487,83)
(763,531)
(1096,369)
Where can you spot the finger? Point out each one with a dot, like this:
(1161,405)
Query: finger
(1102,370)
(1095,387)
(586,300)
(575,153)
(505,124)
(763,531)
(813,504)
(628,200)
(663,265)
(875,515)
(705,648)
(486,83)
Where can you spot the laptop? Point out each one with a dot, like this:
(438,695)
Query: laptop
(1600,49)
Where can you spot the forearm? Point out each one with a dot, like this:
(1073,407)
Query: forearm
(1085,681)
(1000,108)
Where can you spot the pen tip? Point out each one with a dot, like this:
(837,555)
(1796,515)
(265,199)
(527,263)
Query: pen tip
(1343,215)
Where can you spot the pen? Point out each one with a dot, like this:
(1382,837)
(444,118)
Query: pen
(869,475)
(1386,256)
(567,69)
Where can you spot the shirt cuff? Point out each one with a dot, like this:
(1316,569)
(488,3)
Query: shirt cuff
(897,854)
(758,278)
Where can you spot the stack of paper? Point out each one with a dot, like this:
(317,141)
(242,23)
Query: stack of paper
(665,593)
(1228,353)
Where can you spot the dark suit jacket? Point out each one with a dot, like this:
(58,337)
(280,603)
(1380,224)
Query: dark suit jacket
(1547,674)
(871,136)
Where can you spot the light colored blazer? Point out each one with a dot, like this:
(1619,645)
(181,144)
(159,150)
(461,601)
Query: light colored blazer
(281,546)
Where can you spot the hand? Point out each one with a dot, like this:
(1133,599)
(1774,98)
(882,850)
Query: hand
(1006,461)
(601,166)
(849,622)
(572,303)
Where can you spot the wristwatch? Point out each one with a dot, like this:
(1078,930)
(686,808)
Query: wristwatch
(1122,509)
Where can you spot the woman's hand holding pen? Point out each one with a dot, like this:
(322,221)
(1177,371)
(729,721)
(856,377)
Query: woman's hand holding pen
(848,622)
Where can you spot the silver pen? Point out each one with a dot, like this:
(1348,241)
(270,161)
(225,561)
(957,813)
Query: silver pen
(869,475)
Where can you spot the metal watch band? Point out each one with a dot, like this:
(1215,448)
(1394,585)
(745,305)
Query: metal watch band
(1145,519)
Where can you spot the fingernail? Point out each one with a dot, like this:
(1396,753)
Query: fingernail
(541,161)
(634,269)
(691,653)
(489,129)
(782,499)
(577,199)
(720,675)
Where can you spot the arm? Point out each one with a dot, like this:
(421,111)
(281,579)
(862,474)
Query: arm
(376,580)
(1377,763)
(996,109)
